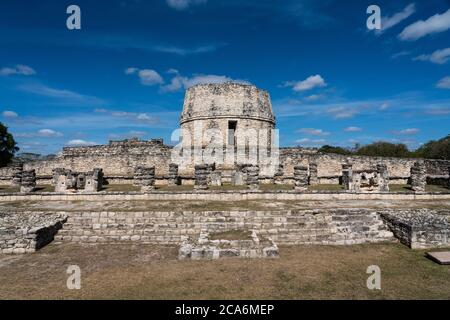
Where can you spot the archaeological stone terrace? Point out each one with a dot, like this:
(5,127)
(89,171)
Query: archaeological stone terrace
(149,192)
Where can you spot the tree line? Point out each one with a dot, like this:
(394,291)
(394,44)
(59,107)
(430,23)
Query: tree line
(434,149)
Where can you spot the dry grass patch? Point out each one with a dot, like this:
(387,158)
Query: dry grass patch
(153,272)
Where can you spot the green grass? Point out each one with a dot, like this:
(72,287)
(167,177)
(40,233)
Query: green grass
(153,272)
(407,188)
(326,187)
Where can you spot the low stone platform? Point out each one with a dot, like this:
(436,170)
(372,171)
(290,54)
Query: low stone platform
(419,229)
(28,232)
(239,244)
(440,257)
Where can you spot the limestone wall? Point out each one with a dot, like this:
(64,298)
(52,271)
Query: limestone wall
(420,229)
(118,159)
(27,232)
(338,227)
(330,165)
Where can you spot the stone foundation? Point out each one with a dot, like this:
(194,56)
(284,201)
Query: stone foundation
(337,227)
(418,177)
(301,178)
(420,229)
(27,232)
(207,249)
(28,181)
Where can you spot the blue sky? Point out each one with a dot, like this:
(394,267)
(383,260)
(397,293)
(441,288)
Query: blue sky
(332,81)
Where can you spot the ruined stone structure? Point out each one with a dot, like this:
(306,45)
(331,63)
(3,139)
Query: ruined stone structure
(418,177)
(252,177)
(201,176)
(301,178)
(145,178)
(66,180)
(173,178)
(313,178)
(365,180)
(226,109)
(27,232)
(28,181)
(226,116)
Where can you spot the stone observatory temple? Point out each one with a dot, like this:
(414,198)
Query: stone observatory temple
(227,107)
(224,117)
(223,128)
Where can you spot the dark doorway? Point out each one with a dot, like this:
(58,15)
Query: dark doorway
(232,126)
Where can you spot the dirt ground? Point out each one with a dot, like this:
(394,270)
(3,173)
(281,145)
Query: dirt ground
(153,272)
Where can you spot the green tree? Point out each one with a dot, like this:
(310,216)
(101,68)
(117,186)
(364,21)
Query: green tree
(439,149)
(337,150)
(385,149)
(7,146)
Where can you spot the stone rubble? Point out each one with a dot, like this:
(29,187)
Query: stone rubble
(301,178)
(145,178)
(28,181)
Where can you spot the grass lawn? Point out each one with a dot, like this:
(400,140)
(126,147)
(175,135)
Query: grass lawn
(407,188)
(153,272)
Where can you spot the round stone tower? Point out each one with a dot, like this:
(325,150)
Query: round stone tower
(227,107)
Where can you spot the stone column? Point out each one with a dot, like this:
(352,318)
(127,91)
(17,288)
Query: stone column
(28,181)
(279,174)
(383,177)
(173,178)
(145,178)
(253,177)
(347,176)
(240,175)
(301,178)
(313,177)
(17,176)
(201,177)
(215,178)
(418,177)
(448,180)
(56,173)
(94,181)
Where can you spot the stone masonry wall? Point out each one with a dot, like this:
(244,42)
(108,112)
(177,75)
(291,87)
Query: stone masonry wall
(116,158)
(28,232)
(337,227)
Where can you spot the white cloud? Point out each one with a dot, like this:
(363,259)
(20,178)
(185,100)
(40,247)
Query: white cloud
(353,129)
(10,114)
(19,69)
(314,132)
(389,22)
(438,57)
(67,95)
(183,4)
(419,29)
(187,51)
(311,142)
(400,54)
(180,82)
(128,135)
(409,131)
(148,77)
(131,70)
(384,106)
(309,83)
(342,112)
(49,133)
(444,83)
(79,143)
(143,118)
(43,133)
(313,97)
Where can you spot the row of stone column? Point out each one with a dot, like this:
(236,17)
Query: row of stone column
(418,177)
